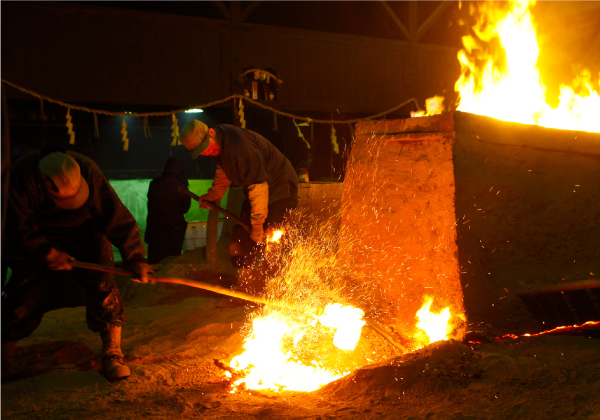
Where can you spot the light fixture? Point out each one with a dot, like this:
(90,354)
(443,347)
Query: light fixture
(194,111)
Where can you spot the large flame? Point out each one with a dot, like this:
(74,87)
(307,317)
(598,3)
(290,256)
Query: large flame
(275,345)
(275,366)
(347,322)
(505,83)
(304,341)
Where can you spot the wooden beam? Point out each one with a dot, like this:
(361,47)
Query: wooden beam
(235,12)
(413,20)
(222,8)
(388,9)
(249,9)
(434,17)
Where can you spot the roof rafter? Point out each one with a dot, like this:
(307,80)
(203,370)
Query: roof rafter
(222,8)
(434,17)
(388,9)
(249,9)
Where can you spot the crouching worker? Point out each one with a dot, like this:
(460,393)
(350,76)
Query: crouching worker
(268,179)
(61,208)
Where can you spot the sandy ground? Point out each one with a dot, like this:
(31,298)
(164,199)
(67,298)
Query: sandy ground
(174,332)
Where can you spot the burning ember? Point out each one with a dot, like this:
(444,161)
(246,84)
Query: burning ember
(505,83)
(275,236)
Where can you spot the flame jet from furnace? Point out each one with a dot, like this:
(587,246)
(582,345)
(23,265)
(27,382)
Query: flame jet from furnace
(504,82)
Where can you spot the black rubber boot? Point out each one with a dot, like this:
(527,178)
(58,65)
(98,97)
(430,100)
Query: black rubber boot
(8,349)
(112,357)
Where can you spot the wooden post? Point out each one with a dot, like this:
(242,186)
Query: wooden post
(212,236)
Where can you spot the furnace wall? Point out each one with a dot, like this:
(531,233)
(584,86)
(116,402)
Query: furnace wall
(462,204)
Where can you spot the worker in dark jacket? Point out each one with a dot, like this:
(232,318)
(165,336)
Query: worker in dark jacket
(61,208)
(166,225)
(268,179)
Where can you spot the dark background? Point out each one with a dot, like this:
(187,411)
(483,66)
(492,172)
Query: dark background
(337,60)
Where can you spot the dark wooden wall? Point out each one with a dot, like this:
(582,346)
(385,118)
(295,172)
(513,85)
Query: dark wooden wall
(81,53)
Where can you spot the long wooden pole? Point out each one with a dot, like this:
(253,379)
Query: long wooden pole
(222,291)
(212,236)
(187,282)
(216,207)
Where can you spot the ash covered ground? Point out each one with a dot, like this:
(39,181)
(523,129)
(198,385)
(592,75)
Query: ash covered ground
(174,332)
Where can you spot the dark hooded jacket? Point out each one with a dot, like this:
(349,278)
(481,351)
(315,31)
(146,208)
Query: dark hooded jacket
(166,207)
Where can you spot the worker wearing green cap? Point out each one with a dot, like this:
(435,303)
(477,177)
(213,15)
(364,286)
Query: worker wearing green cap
(61,208)
(249,160)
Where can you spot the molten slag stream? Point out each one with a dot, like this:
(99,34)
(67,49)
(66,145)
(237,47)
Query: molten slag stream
(564,328)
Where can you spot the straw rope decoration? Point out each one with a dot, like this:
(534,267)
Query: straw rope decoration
(334,143)
(304,124)
(175,133)
(241,115)
(175,128)
(70,127)
(124,133)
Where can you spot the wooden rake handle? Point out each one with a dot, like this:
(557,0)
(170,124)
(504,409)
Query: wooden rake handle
(215,207)
(223,291)
(187,282)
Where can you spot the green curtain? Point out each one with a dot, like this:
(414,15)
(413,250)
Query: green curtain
(134,195)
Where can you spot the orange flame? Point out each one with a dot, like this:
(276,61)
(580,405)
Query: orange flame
(348,322)
(275,236)
(436,326)
(275,365)
(308,342)
(515,92)
(434,106)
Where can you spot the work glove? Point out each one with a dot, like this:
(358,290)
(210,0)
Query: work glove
(58,260)
(139,269)
(258,234)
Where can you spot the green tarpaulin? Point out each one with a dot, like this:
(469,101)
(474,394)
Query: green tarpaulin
(134,195)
